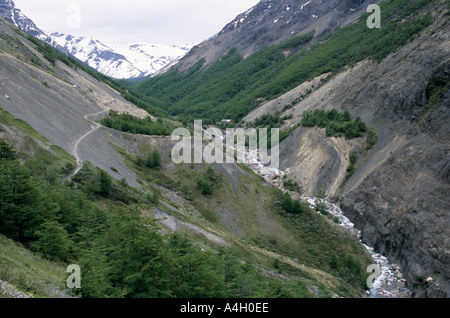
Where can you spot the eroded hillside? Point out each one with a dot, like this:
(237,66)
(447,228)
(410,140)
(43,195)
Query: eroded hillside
(398,195)
(238,225)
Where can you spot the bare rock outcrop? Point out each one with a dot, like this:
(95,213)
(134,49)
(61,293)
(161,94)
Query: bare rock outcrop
(398,196)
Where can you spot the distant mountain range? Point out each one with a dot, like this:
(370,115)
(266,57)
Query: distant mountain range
(8,11)
(132,61)
(259,70)
(121,62)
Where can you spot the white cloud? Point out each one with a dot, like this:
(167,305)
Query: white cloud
(125,22)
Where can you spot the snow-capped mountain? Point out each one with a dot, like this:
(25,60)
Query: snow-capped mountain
(122,62)
(8,11)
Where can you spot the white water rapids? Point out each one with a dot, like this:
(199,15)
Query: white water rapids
(388,280)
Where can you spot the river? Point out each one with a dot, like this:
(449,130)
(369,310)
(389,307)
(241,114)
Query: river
(388,280)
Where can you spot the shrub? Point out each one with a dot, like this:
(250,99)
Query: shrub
(352,264)
(205,187)
(292,185)
(291,206)
(322,208)
(130,124)
(340,125)
(53,241)
(153,159)
(6,151)
(208,181)
(105,183)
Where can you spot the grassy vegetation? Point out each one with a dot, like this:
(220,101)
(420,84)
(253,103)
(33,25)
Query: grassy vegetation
(203,91)
(28,271)
(435,89)
(372,138)
(48,165)
(341,125)
(272,121)
(49,53)
(292,185)
(269,120)
(336,124)
(347,263)
(134,125)
(351,168)
(16,48)
(89,223)
(100,223)
(9,120)
(250,200)
(232,87)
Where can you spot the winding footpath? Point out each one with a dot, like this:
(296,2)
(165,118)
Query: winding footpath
(94,127)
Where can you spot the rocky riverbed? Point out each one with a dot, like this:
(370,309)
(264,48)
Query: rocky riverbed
(389,281)
(9,291)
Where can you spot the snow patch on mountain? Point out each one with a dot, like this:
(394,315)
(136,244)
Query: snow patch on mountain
(9,12)
(121,62)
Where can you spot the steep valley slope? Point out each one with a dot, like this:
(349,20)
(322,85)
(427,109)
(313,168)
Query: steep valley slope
(59,102)
(398,195)
(272,22)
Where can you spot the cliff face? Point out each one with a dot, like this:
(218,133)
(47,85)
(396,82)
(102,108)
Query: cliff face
(400,196)
(399,193)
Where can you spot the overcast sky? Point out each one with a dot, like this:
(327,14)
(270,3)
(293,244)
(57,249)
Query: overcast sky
(126,22)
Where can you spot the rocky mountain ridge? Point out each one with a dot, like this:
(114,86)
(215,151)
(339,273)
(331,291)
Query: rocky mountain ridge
(121,62)
(398,194)
(273,22)
(10,12)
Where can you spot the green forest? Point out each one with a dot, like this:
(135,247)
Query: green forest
(122,254)
(134,125)
(96,221)
(234,86)
(99,222)
(336,124)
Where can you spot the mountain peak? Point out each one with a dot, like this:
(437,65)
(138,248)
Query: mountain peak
(273,22)
(10,12)
(121,62)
